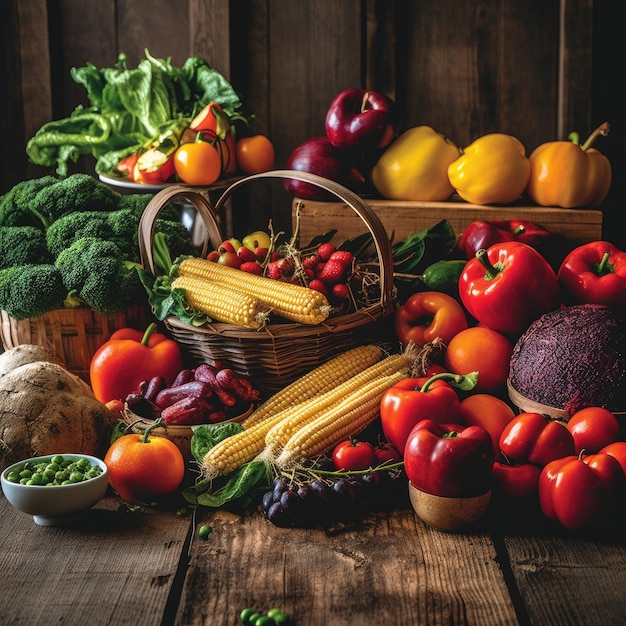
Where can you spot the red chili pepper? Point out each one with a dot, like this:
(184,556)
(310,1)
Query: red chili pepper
(414,399)
(578,492)
(534,438)
(486,233)
(594,273)
(508,286)
(130,356)
(449,460)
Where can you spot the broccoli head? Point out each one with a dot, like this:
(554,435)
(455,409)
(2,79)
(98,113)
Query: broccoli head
(16,205)
(78,192)
(96,271)
(22,245)
(31,290)
(66,230)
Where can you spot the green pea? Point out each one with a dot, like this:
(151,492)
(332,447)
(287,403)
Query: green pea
(264,620)
(280,617)
(13,477)
(25,473)
(76,477)
(58,459)
(204,531)
(248,616)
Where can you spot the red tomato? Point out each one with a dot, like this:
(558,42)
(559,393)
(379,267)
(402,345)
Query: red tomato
(387,453)
(153,167)
(216,128)
(143,468)
(516,483)
(255,154)
(352,454)
(127,166)
(593,428)
(198,163)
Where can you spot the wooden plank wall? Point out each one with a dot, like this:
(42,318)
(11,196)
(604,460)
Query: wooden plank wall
(536,69)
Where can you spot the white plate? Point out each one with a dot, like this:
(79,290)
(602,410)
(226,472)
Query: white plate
(222,183)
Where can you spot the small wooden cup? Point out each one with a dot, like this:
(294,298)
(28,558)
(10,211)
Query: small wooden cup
(448,514)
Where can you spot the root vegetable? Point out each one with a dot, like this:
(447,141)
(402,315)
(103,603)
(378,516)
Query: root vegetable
(44,409)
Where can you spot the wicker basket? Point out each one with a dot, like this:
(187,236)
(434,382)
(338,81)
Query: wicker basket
(74,335)
(277,354)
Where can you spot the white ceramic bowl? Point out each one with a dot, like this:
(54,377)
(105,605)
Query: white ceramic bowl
(56,504)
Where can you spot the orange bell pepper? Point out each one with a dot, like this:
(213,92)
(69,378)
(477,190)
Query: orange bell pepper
(568,175)
(129,357)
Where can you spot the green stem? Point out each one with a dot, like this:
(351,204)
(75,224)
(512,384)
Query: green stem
(149,331)
(462,381)
(158,423)
(603,130)
(604,267)
(491,270)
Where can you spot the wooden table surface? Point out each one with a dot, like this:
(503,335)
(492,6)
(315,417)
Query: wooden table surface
(122,565)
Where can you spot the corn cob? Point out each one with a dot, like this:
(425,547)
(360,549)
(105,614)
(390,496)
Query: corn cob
(293,302)
(231,453)
(298,417)
(220,303)
(324,377)
(337,423)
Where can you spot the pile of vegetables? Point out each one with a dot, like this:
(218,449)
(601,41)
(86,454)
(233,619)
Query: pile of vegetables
(128,108)
(70,242)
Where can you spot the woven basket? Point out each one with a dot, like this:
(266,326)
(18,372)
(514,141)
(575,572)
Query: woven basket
(277,354)
(74,335)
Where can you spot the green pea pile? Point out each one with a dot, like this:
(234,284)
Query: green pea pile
(54,471)
(274,617)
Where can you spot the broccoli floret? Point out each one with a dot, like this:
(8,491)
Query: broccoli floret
(97,272)
(137,202)
(78,192)
(177,238)
(16,205)
(22,245)
(31,290)
(67,229)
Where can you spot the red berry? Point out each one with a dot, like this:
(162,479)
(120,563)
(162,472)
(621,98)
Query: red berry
(341,291)
(318,285)
(334,272)
(310,261)
(324,250)
(252,267)
(214,255)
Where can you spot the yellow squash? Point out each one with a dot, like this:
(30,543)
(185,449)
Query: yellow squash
(415,167)
(493,169)
(568,175)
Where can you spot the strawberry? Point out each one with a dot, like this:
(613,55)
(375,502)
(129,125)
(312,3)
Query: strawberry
(340,291)
(337,267)
(311,261)
(318,285)
(252,267)
(324,250)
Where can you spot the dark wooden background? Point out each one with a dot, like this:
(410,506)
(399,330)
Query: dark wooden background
(536,69)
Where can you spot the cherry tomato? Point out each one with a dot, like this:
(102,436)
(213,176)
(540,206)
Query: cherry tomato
(143,468)
(255,154)
(593,428)
(198,163)
(352,454)
(387,453)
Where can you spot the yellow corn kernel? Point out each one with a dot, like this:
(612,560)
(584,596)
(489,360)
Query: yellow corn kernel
(337,423)
(301,415)
(326,376)
(220,303)
(293,302)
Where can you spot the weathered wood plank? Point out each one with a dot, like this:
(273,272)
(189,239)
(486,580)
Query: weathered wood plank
(590,576)
(112,566)
(393,570)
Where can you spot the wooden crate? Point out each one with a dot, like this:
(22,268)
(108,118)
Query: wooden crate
(403,218)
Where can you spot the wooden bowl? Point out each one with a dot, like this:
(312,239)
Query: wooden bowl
(448,514)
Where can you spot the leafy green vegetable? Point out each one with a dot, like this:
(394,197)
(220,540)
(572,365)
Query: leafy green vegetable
(128,107)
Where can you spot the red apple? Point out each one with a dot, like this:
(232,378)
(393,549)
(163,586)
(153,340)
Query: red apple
(319,156)
(362,119)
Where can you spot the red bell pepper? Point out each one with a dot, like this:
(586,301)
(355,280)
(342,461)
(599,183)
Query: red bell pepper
(578,492)
(594,273)
(486,233)
(449,460)
(508,286)
(428,315)
(516,484)
(534,438)
(414,399)
(130,357)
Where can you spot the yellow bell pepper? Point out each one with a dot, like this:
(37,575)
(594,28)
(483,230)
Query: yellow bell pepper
(568,175)
(493,169)
(415,166)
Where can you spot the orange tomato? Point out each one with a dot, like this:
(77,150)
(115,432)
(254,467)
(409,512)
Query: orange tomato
(255,154)
(198,163)
(483,350)
(488,412)
(143,468)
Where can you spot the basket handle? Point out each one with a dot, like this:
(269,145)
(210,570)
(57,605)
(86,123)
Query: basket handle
(354,201)
(147,222)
